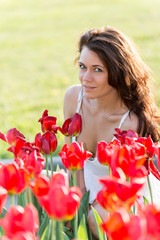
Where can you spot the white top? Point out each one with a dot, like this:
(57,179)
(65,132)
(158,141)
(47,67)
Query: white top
(93,170)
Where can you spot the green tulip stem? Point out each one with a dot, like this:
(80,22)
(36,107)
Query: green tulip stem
(52,229)
(60,232)
(76,215)
(51,165)
(109,170)
(25,197)
(29,195)
(74,178)
(150,189)
(12,199)
(134,209)
(76,225)
(47,165)
(70,140)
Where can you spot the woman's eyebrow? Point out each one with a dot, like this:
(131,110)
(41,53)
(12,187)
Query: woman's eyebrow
(97,65)
(80,63)
(94,65)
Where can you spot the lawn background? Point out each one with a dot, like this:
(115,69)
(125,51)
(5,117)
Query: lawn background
(38,45)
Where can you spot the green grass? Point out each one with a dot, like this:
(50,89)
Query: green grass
(38,45)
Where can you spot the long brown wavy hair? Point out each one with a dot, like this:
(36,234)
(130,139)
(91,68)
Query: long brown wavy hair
(127,73)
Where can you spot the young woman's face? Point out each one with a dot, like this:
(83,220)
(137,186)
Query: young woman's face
(93,75)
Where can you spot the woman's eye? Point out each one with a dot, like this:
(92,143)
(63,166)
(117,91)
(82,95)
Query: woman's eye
(98,70)
(81,66)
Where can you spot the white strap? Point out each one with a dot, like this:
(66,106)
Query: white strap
(121,122)
(123,119)
(80,98)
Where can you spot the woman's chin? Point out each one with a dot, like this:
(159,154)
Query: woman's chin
(89,95)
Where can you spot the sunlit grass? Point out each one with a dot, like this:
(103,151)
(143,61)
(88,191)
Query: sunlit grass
(38,47)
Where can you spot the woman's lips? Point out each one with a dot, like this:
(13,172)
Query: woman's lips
(88,87)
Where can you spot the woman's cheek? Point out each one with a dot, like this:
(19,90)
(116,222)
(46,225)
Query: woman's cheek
(81,77)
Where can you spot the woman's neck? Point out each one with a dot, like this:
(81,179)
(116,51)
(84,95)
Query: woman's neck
(110,104)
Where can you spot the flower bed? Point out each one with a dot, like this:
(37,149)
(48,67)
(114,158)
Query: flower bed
(46,202)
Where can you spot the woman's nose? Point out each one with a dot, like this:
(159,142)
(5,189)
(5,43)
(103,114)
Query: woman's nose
(87,76)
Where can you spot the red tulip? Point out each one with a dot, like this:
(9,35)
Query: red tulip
(34,162)
(71,127)
(148,143)
(122,136)
(124,226)
(47,143)
(152,216)
(15,139)
(130,158)
(60,178)
(152,149)
(74,156)
(40,185)
(130,138)
(118,192)
(16,149)
(47,121)
(74,126)
(11,136)
(60,202)
(3,197)
(13,179)
(19,220)
(106,151)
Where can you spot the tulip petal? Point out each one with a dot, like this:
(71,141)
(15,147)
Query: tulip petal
(74,156)
(20,220)
(38,139)
(75,126)
(3,197)
(40,186)
(53,142)
(12,135)
(3,137)
(154,170)
(65,126)
(45,146)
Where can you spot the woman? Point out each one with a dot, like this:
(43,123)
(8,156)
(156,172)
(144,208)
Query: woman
(114,93)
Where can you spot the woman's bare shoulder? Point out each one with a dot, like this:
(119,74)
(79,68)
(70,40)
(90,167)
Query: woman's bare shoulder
(71,100)
(131,122)
(73,91)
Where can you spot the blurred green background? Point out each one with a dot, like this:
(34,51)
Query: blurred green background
(38,45)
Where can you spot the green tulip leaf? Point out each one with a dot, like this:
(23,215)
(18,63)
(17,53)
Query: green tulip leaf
(83,209)
(4,210)
(82,231)
(21,199)
(98,222)
(47,232)
(71,181)
(145,200)
(1,216)
(68,232)
(57,168)
(43,226)
(44,234)
(66,237)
